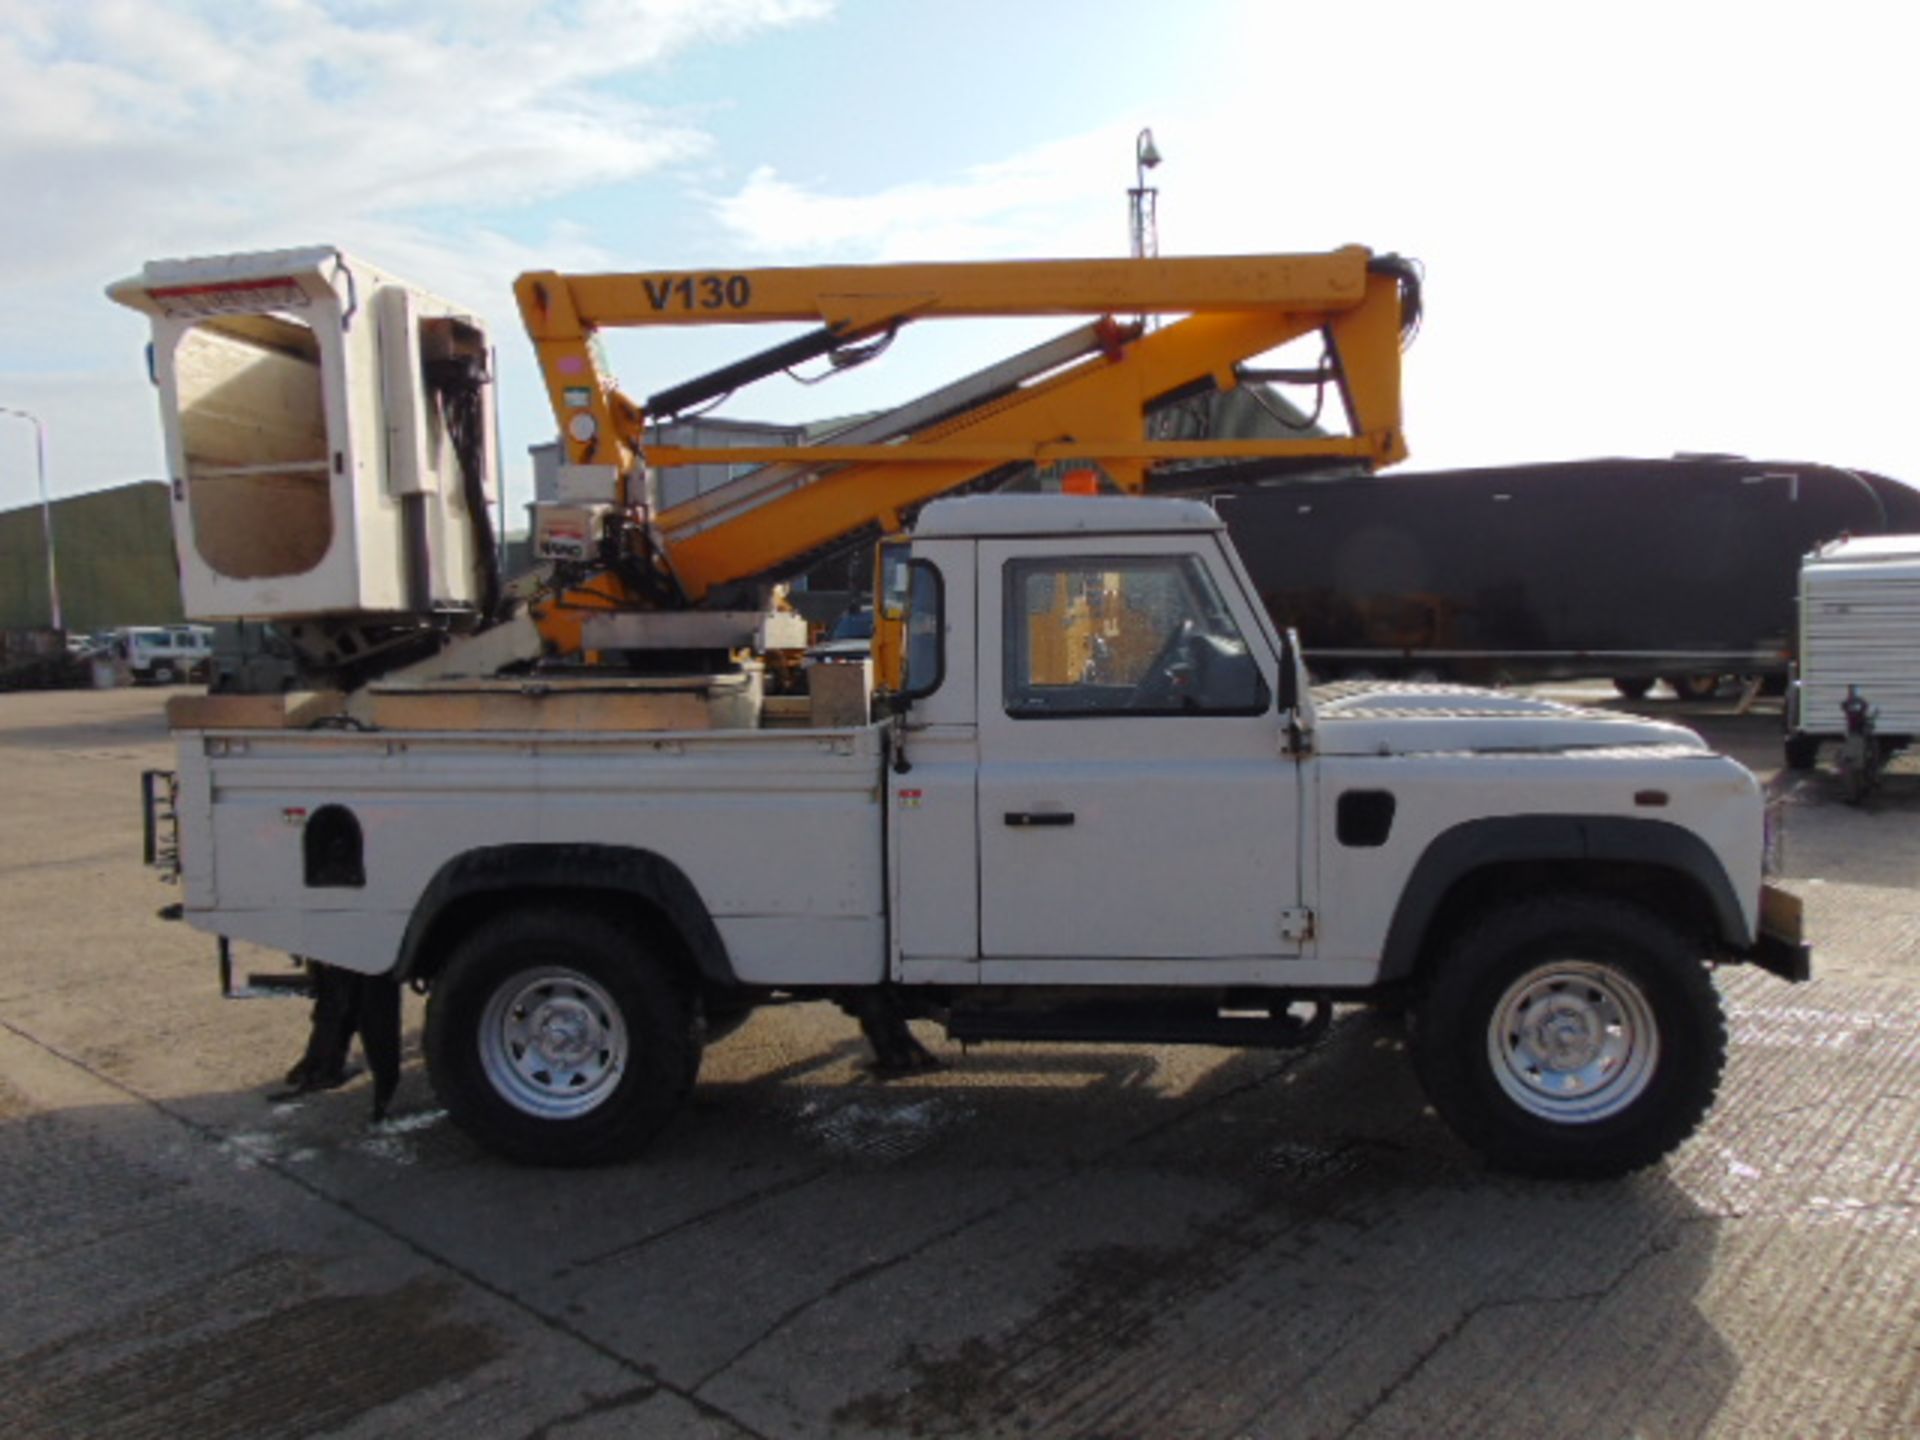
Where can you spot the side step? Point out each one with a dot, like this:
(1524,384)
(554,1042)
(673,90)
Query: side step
(1278,1025)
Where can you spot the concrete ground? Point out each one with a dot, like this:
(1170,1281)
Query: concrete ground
(1037,1240)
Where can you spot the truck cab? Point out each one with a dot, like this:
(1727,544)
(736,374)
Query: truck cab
(1091,712)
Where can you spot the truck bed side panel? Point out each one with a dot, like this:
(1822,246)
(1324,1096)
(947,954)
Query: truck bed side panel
(779,833)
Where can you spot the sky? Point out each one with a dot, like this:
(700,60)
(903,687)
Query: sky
(1646,228)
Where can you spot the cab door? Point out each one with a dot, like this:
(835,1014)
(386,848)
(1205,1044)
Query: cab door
(1135,801)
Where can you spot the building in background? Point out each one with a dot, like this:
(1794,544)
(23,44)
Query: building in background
(685,482)
(113,550)
(821,594)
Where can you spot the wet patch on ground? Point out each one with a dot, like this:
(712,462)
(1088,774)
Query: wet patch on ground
(256,1351)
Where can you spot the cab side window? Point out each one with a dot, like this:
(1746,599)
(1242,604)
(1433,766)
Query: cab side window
(924,659)
(1134,635)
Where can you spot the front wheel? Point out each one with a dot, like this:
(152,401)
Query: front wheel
(554,1038)
(1576,1037)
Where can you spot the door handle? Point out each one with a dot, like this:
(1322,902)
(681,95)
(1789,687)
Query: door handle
(1026,819)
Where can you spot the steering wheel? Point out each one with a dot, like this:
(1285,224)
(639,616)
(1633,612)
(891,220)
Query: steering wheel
(1170,671)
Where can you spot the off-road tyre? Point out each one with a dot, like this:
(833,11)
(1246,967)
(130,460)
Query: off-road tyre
(1571,1036)
(556,1037)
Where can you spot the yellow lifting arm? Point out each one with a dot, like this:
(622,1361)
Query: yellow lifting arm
(1090,413)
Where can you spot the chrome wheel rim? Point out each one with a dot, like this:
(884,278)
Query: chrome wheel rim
(552,1043)
(1573,1042)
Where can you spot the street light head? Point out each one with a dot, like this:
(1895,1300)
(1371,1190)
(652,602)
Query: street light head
(1145,151)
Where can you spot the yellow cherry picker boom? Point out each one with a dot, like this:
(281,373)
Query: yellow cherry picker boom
(330,431)
(1079,404)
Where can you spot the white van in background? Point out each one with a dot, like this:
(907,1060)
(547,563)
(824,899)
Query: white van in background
(165,654)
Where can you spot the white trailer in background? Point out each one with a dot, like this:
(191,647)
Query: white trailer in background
(1857,681)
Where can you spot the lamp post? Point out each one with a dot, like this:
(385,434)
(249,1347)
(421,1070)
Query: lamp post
(1143,199)
(46,507)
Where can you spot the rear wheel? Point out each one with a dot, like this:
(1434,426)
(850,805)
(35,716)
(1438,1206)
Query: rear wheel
(554,1038)
(162,673)
(1576,1037)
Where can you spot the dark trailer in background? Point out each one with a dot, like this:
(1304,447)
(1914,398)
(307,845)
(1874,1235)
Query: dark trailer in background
(1682,569)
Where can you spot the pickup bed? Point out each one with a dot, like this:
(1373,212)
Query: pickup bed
(1103,806)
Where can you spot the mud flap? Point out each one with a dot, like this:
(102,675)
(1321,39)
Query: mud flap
(1782,946)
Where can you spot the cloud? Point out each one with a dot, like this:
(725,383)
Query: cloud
(134,129)
(195,120)
(1052,199)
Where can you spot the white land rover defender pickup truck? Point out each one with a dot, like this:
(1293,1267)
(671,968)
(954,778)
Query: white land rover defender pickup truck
(1104,806)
